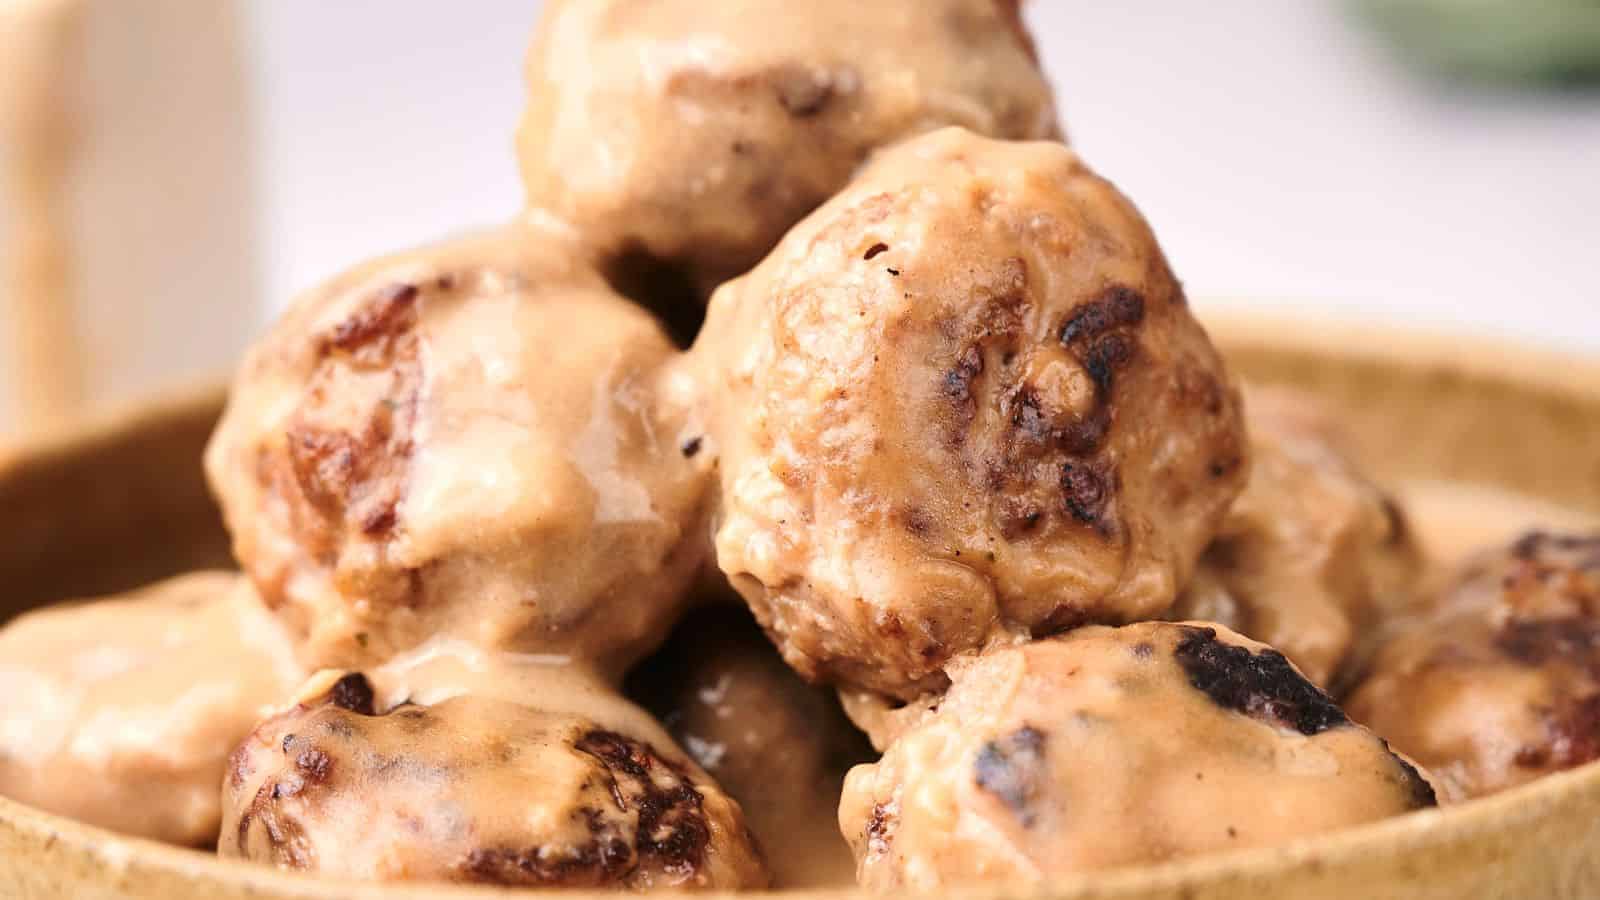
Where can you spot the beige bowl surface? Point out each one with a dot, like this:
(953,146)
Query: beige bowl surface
(122,502)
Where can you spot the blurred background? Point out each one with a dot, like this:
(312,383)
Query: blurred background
(180,168)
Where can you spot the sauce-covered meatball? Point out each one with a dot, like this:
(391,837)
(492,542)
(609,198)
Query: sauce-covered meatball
(1115,746)
(777,745)
(1313,555)
(965,401)
(476,440)
(121,712)
(1499,682)
(683,136)
(516,774)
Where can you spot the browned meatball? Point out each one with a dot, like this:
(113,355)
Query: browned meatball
(1313,555)
(777,745)
(1115,746)
(476,786)
(688,136)
(965,401)
(1500,682)
(475,439)
(121,712)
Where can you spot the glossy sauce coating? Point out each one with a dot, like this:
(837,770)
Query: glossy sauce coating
(1499,682)
(777,745)
(1109,747)
(964,402)
(460,765)
(475,440)
(1313,556)
(683,138)
(121,712)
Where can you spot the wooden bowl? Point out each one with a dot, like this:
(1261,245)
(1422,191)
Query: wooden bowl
(122,502)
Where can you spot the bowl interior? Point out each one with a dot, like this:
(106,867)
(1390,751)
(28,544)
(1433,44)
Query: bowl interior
(122,502)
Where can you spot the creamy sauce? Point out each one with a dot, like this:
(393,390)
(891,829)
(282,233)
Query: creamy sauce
(1453,520)
(121,712)
(459,764)
(125,719)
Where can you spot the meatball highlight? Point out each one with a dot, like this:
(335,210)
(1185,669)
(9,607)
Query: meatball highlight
(1108,747)
(683,138)
(777,745)
(121,712)
(1313,556)
(473,440)
(1499,682)
(963,402)
(472,786)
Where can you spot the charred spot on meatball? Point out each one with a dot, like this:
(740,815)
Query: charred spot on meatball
(1012,769)
(314,765)
(1105,357)
(286,839)
(607,858)
(1262,685)
(959,377)
(1086,492)
(880,828)
(591,865)
(354,693)
(672,829)
(1540,642)
(1117,307)
(377,326)
(353,471)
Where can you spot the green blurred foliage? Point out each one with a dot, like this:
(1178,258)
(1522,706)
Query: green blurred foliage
(1544,40)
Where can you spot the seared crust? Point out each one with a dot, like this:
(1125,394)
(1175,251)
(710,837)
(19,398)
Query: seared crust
(483,790)
(465,440)
(963,402)
(1259,683)
(700,132)
(1115,746)
(1499,682)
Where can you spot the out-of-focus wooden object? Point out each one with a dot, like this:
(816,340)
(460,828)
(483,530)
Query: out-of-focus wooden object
(109,504)
(38,40)
(127,212)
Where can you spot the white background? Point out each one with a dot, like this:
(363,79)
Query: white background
(1282,153)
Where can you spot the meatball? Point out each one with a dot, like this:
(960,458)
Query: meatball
(1312,556)
(965,401)
(412,778)
(1115,746)
(475,440)
(1499,682)
(777,745)
(121,712)
(699,132)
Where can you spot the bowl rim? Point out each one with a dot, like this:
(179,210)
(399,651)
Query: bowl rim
(58,840)
(1415,832)
(103,426)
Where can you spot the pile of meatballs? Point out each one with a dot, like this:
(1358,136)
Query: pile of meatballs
(947,551)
